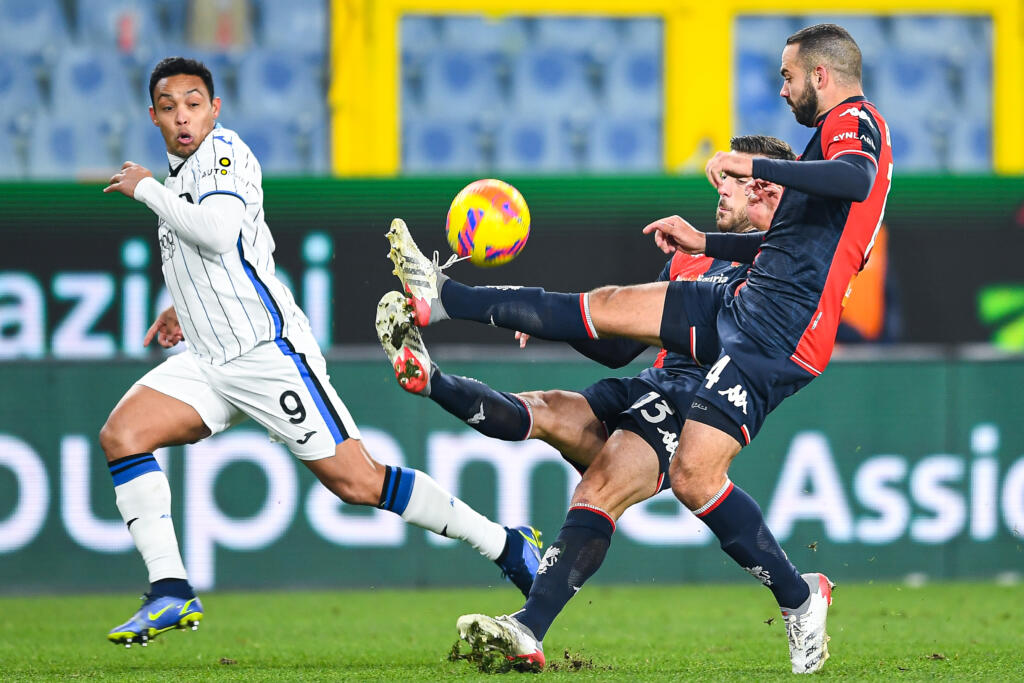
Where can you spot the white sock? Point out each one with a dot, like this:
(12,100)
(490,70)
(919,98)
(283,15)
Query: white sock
(434,509)
(145,505)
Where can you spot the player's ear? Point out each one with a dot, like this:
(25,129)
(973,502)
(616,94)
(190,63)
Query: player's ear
(152,116)
(216,107)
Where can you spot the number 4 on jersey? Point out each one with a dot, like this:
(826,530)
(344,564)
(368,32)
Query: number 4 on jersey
(715,373)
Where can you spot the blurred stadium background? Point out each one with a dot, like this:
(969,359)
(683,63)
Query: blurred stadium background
(905,459)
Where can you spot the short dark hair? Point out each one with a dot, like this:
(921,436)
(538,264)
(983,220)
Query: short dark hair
(829,44)
(762,146)
(177,66)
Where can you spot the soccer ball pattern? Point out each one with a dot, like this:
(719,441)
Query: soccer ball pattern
(489,222)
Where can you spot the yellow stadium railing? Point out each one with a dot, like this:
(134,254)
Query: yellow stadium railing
(698,68)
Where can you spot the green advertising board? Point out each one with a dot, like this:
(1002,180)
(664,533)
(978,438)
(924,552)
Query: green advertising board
(876,470)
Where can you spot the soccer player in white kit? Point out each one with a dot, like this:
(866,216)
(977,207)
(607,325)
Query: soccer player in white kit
(250,353)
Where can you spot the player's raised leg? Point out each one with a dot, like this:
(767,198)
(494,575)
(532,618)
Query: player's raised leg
(143,421)
(610,311)
(563,419)
(623,473)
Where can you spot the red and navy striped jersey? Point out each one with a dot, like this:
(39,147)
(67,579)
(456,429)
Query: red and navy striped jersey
(798,283)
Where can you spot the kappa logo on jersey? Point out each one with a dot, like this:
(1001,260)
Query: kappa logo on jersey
(737,396)
(549,559)
(166,242)
(859,113)
(671,441)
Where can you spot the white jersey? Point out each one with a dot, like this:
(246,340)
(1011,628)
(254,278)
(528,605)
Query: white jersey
(229,302)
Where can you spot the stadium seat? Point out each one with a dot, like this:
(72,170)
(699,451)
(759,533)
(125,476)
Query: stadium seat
(915,148)
(533,145)
(913,85)
(441,145)
(142,143)
(935,35)
(591,35)
(419,33)
(299,26)
(483,34)
(10,164)
(756,85)
(625,145)
(870,32)
(642,33)
(278,143)
(128,26)
(32,27)
(84,77)
(277,83)
(765,34)
(970,146)
(18,88)
(552,82)
(633,82)
(461,83)
(73,147)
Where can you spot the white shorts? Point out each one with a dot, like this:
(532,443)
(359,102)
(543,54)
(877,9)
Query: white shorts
(283,385)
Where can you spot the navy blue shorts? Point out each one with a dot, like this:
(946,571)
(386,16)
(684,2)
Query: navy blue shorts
(652,405)
(745,383)
(689,319)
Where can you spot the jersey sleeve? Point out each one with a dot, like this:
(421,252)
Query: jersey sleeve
(851,129)
(223,168)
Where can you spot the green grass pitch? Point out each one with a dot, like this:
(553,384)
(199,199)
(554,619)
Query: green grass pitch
(708,632)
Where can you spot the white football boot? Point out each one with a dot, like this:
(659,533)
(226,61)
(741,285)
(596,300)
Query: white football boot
(403,343)
(805,626)
(420,276)
(504,635)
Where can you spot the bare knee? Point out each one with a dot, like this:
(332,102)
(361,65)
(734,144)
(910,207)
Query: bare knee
(565,420)
(693,485)
(119,439)
(603,296)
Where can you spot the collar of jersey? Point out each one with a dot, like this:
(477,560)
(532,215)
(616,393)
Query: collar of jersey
(855,98)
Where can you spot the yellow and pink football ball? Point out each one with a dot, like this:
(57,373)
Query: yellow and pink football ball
(489,222)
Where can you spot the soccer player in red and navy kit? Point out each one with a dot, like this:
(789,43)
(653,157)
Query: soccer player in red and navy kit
(621,432)
(776,327)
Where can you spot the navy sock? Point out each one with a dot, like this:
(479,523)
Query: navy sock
(736,520)
(497,414)
(175,588)
(547,315)
(569,561)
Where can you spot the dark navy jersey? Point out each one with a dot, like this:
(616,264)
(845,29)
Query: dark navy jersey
(704,345)
(795,289)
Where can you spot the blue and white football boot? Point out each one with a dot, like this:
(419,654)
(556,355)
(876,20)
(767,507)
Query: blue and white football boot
(523,557)
(157,614)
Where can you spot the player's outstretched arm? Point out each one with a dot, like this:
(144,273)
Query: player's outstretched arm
(673,233)
(166,329)
(214,223)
